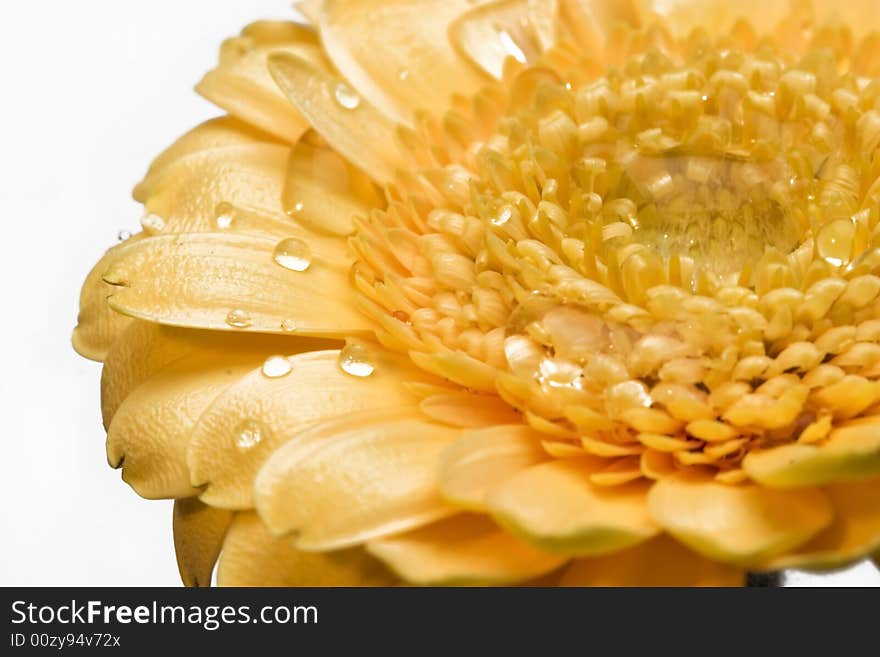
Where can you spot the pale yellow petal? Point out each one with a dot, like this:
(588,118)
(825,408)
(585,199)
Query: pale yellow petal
(197,280)
(591,21)
(324,192)
(316,389)
(221,132)
(463,550)
(354,128)
(484,458)
(241,83)
(151,429)
(97,326)
(463,409)
(852,451)
(555,506)
(145,348)
(402,61)
(251,556)
(199,530)
(492,32)
(743,524)
(458,367)
(658,562)
(346,482)
(854,533)
(719,16)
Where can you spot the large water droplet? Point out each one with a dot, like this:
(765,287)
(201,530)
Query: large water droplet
(276,366)
(238,318)
(123,235)
(248,434)
(346,96)
(288,326)
(355,359)
(152,224)
(293,254)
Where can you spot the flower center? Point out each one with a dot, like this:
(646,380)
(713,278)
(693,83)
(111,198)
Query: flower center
(675,257)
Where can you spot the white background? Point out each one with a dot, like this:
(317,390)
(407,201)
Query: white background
(90,91)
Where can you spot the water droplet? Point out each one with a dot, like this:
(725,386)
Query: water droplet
(354,359)
(238,318)
(276,366)
(123,235)
(224,219)
(293,254)
(288,326)
(248,434)
(346,96)
(152,224)
(298,207)
(403,74)
(502,217)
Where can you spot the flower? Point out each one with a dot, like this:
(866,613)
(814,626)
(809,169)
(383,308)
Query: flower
(579,292)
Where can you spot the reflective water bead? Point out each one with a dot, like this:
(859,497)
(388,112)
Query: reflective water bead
(293,254)
(152,224)
(355,359)
(248,434)
(346,96)
(123,235)
(288,326)
(238,318)
(276,366)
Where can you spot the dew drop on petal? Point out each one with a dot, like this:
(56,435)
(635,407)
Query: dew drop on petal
(293,254)
(403,74)
(276,366)
(238,318)
(355,359)
(502,217)
(346,96)
(152,224)
(248,434)
(223,217)
(288,326)
(123,235)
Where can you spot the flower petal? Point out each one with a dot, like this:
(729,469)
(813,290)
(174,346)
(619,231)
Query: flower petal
(852,451)
(221,132)
(324,192)
(241,83)
(315,390)
(484,458)
(743,524)
(199,530)
(149,433)
(464,409)
(251,556)
(554,506)
(197,280)
(145,348)
(491,32)
(346,482)
(458,367)
(854,533)
(403,61)
(658,562)
(592,20)
(355,129)
(97,326)
(464,550)
(719,16)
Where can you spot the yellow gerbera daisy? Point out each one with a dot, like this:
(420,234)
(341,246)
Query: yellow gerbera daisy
(468,291)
